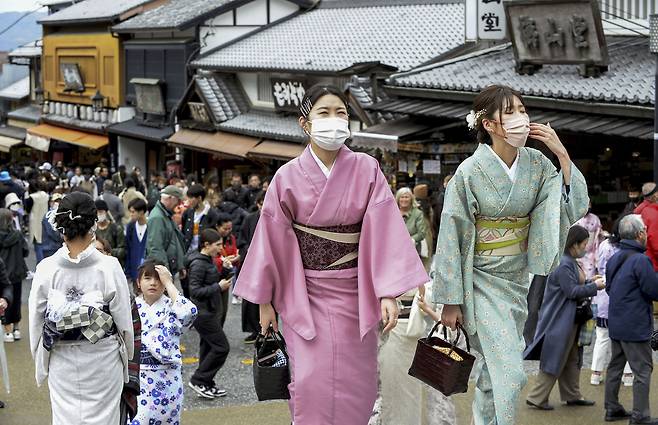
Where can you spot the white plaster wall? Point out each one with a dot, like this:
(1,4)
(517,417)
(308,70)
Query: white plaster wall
(254,13)
(281,8)
(222,35)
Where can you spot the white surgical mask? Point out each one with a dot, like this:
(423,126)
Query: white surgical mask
(102,217)
(330,133)
(15,207)
(517,130)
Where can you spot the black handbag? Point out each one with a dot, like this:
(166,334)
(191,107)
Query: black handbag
(654,341)
(584,312)
(271,367)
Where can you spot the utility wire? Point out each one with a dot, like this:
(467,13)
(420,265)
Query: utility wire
(623,27)
(25,15)
(617,9)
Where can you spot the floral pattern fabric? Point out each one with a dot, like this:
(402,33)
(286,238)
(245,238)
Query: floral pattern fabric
(492,290)
(160,400)
(589,262)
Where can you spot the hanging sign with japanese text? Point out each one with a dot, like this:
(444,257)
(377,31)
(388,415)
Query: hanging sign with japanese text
(557,32)
(492,24)
(288,93)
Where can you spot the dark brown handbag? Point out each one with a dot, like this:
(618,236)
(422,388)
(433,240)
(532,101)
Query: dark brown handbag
(440,370)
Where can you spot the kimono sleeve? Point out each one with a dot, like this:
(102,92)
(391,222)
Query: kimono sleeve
(120,306)
(273,255)
(37,305)
(182,312)
(453,262)
(554,213)
(388,260)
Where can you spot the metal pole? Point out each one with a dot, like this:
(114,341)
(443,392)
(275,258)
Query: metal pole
(655,126)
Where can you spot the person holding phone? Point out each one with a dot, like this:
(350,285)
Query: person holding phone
(207,285)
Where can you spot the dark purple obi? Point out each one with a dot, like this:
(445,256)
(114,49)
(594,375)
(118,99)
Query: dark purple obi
(328,248)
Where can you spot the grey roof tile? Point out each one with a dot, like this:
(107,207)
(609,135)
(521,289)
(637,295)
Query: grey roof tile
(629,80)
(223,95)
(92,10)
(267,124)
(172,15)
(30,113)
(17,90)
(27,50)
(333,39)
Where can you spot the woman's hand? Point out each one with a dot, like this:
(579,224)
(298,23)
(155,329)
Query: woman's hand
(427,308)
(390,313)
(167,281)
(546,135)
(451,315)
(268,318)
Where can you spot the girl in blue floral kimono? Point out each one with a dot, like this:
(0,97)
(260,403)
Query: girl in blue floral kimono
(506,214)
(164,318)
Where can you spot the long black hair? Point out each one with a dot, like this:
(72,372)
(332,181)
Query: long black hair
(577,234)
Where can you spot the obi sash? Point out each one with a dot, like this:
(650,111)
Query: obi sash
(501,236)
(328,248)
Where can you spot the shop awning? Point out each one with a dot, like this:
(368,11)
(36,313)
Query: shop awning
(6,143)
(219,142)
(385,136)
(277,150)
(74,137)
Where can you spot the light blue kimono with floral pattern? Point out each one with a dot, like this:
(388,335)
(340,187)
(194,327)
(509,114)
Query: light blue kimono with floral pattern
(492,290)
(160,398)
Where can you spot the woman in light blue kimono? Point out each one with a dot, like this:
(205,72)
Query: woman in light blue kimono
(506,214)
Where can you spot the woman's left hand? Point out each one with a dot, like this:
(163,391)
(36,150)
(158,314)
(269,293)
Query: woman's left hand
(546,135)
(390,313)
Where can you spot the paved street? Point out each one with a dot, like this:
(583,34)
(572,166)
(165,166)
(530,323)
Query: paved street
(28,405)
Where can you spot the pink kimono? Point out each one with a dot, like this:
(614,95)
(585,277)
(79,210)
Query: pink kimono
(330,313)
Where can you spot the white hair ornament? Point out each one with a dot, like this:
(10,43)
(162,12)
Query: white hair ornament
(473,117)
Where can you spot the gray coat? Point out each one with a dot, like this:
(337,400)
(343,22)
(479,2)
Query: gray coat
(557,316)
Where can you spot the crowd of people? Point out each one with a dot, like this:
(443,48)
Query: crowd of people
(126,266)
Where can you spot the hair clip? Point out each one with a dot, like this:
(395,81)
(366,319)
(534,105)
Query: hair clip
(473,117)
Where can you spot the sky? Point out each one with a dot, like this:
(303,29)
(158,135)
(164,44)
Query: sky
(18,5)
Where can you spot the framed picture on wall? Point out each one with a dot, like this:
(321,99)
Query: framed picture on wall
(72,77)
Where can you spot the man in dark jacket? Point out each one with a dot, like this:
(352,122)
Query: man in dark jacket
(254,189)
(164,242)
(230,210)
(632,285)
(236,193)
(197,217)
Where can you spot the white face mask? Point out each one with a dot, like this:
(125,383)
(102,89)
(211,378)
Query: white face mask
(102,217)
(330,133)
(15,207)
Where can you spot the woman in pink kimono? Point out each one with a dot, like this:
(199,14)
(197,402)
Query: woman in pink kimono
(330,255)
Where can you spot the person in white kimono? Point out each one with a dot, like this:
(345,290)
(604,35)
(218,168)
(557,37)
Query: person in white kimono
(81,332)
(506,214)
(164,319)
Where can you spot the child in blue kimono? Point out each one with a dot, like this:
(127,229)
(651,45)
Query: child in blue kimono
(164,318)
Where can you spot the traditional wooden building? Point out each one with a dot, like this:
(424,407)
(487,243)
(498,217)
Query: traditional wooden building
(346,43)
(158,46)
(81,86)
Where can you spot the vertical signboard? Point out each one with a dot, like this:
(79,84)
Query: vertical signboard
(492,24)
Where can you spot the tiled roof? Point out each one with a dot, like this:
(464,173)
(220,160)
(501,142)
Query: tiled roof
(92,11)
(28,50)
(30,113)
(16,91)
(629,80)
(173,15)
(223,96)
(333,39)
(361,90)
(267,124)
(179,15)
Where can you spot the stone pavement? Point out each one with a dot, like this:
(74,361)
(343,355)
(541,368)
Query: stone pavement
(29,405)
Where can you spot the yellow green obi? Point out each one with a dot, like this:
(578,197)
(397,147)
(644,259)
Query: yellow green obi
(501,236)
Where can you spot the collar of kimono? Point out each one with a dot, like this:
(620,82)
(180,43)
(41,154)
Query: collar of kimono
(312,169)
